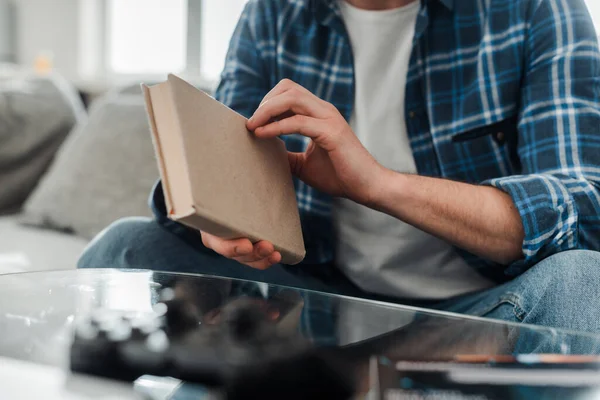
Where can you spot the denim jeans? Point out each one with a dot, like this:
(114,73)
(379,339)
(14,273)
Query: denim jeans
(562,291)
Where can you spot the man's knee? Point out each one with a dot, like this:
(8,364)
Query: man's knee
(577,267)
(121,244)
(561,291)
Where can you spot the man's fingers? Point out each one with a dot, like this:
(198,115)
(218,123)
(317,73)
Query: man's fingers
(296,162)
(306,126)
(283,86)
(265,263)
(292,100)
(261,255)
(227,248)
(261,250)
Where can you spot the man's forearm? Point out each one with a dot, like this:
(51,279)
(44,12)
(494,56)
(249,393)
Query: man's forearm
(480,219)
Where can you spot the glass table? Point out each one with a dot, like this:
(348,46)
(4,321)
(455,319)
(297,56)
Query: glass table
(38,312)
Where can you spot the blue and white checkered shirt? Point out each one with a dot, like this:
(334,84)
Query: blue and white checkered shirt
(499,92)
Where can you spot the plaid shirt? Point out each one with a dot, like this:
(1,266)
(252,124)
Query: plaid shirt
(503,93)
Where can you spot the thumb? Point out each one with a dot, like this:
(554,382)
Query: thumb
(296,162)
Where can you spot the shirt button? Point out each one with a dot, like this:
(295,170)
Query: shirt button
(412,114)
(500,136)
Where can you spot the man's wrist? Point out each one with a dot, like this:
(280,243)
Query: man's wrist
(388,187)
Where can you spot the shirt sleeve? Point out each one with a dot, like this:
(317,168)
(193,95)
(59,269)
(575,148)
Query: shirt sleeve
(558,193)
(244,80)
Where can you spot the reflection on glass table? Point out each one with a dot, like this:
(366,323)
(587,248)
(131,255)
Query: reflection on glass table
(39,312)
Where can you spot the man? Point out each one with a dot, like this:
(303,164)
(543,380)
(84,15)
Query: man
(466,179)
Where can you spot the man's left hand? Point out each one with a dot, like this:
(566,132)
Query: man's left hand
(335,161)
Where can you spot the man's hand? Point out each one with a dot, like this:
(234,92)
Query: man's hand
(261,255)
(335,161)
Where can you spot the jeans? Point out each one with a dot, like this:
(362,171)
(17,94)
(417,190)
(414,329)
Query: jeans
(561,291)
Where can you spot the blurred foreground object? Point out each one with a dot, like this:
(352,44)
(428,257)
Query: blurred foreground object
(246,348)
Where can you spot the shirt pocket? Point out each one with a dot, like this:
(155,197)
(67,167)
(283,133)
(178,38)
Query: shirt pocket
(493,148)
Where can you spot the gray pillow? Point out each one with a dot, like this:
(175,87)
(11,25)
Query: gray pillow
(104,171)
(36,114)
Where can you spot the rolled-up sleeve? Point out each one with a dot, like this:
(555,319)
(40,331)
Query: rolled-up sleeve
(558,191)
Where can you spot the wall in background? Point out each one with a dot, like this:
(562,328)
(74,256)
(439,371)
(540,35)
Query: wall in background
(48,26)
(7,36)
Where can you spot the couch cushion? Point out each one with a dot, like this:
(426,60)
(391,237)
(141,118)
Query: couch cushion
(36,114)
(104,171)
(32,249)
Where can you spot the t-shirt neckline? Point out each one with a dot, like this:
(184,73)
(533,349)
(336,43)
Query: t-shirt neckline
(360,13)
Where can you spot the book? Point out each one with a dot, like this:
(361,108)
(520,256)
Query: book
(217,176)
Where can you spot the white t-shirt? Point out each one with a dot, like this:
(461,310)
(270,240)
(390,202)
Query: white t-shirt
(380,253)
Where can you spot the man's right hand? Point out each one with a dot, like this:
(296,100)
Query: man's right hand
(261,255)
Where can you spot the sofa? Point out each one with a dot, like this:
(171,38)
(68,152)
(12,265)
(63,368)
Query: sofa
(24,248)
(66,172)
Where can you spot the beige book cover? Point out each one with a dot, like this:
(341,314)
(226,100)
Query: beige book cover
(217,177)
